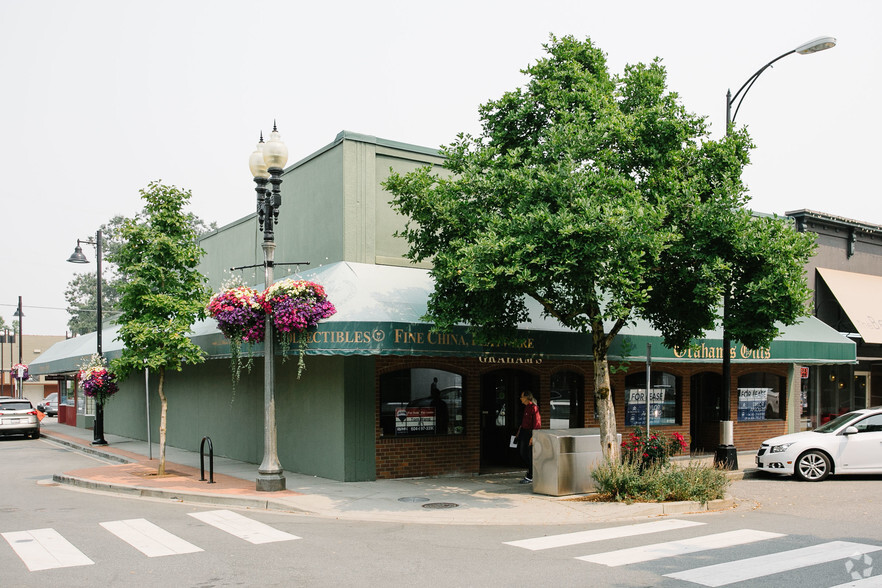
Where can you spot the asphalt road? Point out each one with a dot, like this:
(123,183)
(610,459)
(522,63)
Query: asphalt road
(785,533)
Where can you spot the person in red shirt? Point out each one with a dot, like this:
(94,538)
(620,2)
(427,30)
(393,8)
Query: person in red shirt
(530,422)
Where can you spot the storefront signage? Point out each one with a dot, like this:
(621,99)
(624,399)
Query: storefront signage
(705,351)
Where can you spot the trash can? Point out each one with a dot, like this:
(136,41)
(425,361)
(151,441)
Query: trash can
(563,460)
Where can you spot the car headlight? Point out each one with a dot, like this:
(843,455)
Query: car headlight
(780,448)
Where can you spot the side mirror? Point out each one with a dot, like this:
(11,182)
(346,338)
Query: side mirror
(850,430)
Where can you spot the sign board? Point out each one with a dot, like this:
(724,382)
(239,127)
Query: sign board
(414,420)
(752,403)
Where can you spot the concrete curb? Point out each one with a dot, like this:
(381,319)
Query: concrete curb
(88,450)
(177,495)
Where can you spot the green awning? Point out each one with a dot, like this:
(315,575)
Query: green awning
(380,310)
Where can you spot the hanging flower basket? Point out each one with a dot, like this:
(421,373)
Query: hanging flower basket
(20,372)
(97,381)
(240,313)
(296,306)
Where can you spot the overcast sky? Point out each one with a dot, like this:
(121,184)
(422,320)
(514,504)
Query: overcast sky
(101,97)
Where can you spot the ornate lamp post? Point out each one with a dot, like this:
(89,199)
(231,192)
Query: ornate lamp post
(78,257)
(267,163)
(726,454)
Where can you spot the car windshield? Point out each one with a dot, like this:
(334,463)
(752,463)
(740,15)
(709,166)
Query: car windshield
(20,405)
(836,423)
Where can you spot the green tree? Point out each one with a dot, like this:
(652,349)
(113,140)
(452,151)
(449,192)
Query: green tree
(578,186)
(81,291)
(163,294)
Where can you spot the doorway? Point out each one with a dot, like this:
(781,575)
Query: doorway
(862,392)
(704,414)
(501,414)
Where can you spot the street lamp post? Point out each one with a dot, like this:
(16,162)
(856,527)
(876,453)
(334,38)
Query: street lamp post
(726,454)
(266,164)
(20,314)
(78,257)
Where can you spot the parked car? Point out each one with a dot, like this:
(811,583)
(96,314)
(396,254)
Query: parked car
(848,444)
(18,417)
(50,405)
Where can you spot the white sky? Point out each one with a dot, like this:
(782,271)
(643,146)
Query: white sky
(101,97)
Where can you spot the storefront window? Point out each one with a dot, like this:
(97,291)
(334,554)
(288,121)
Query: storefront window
(421,401)
(665,400)
(567,398)
(761,396)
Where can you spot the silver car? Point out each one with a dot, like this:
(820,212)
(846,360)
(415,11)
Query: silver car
(18,417)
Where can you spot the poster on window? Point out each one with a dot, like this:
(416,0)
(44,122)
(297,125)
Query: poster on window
(659,413)
(752,403)
(414,420)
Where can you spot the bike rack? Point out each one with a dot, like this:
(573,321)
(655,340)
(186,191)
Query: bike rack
(210,461)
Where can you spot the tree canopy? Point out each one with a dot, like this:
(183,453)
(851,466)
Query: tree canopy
(582,192)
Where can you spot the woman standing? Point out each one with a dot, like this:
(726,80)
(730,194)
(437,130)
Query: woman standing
(530,422)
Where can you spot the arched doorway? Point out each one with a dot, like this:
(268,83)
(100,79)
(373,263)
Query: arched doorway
(501,413)
(704,422)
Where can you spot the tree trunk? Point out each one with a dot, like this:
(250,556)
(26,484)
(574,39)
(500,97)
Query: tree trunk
(603,396)
(162,421)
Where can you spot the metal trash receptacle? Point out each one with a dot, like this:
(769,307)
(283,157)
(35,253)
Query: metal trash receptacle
(563,460)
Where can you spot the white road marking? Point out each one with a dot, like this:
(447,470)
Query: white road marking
(580,537)
(149,539)
(242,527)
(871,582)
(45,549)
(673,548)
(773,563)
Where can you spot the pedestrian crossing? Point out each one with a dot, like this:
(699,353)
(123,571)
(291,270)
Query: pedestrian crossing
(44,549)
(854,554)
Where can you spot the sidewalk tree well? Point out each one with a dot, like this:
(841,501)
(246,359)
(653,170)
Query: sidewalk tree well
(163,293)
(576,188)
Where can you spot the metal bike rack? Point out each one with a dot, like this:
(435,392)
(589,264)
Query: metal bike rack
(210,461)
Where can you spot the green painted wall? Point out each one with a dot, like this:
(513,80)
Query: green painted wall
(325,420)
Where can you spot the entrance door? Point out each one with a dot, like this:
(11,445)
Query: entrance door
(501,414)
(704,416)
(862,393)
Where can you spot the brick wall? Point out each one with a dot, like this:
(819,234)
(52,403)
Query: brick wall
(436,455)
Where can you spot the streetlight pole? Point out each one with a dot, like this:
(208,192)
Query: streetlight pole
(20,314)
(266,164)
(78,257)
(726,454)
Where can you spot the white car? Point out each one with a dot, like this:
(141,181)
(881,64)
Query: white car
(849,444)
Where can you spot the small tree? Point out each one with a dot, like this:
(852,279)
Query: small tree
(163,294)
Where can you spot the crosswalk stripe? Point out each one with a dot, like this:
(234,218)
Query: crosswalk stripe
(580,537)
(242,527)
(149,539)
(672,548)
(45,549)
(756,567)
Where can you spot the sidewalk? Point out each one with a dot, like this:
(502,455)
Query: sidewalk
(468,500)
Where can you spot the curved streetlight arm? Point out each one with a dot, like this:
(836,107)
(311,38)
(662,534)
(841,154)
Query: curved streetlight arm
(730,118)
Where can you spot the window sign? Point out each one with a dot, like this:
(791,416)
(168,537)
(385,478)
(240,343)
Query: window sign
(421,401)
(752,403)
(661,407)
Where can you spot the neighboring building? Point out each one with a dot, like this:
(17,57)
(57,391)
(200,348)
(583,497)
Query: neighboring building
(846,277)
(363,409)
(36,387)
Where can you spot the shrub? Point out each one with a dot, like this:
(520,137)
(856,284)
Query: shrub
(632,480)
(652,448)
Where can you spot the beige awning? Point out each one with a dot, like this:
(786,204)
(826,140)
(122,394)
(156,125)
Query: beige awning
(860,296)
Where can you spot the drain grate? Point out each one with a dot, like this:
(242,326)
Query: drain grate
(436,505)
(413,499)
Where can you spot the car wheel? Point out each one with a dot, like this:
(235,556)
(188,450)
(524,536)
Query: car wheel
(812,466)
